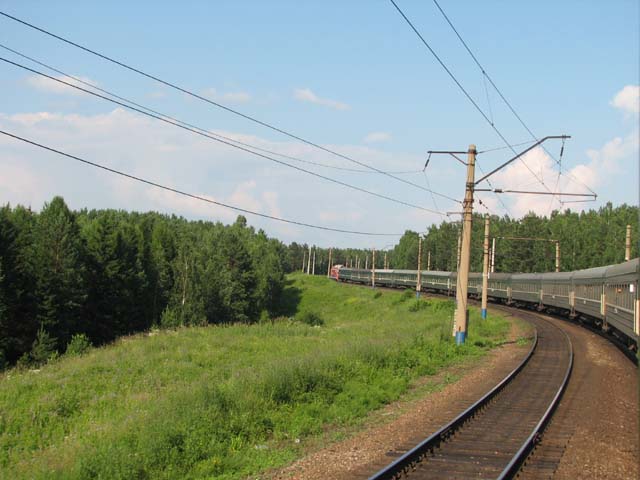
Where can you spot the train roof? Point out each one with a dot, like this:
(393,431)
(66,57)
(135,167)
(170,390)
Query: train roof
(623,269)
(556,276)
(596,272)
(526,276)
(500,276)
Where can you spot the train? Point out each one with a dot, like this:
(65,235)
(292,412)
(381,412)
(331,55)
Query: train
(605,297)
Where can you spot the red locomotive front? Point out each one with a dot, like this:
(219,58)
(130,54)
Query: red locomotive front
(335,272)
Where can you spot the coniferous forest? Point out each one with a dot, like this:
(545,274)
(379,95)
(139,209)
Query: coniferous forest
(73,278)
(104,274)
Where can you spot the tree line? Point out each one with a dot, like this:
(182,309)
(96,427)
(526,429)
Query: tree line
(73,278)
(587,239)
(106,273)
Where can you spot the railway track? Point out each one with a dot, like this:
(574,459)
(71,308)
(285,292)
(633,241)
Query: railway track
(493,438)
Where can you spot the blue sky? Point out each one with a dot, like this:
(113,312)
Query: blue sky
(348,75)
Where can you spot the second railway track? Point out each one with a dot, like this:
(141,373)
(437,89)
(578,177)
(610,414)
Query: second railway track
(494,436)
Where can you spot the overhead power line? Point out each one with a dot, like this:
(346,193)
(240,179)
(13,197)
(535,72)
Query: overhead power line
(209,101)
(190,195)
(495,149)
(486,75)
(473,102)
(230,139)
(225,142)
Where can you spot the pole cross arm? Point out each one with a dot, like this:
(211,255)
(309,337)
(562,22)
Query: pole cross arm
(530,238)
(527,192)
(520,155)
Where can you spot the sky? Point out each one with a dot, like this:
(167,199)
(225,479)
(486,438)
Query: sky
(349,76)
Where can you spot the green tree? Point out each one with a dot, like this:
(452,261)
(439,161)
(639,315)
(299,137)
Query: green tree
(56,255)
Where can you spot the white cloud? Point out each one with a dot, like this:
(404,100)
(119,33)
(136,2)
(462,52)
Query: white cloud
(306,95)
(243,196)
(628,99)
(333,216)
(231,97)
(374,137)
(605,167)
(21,184)
(607,158)
(47,85)
(178,159)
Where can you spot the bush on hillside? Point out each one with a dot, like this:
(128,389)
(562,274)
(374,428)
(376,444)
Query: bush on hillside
(406,295)
(42,350)
(170,318)
(78,345)
(310,318)
(418,305)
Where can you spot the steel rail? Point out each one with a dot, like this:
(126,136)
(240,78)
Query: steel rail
(521,456)
(414,455)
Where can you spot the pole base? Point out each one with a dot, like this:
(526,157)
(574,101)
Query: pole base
(460,337)
(484,313)
(418,294)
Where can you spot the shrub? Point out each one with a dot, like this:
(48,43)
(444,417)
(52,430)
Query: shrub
(43,348)
(170,318)
(78,345)
(408,294)
(282,319)
(265,317)
(418,305)
(378,294)
(444,306)
(310,318)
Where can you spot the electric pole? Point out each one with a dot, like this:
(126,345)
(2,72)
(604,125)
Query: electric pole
(329,266)
(558,256)
(493,255)
(485,267)
(373,268)
(461,316)
(313,268)
(419,279)
(458,251)
(309,261)
(304,258)
(627,249)
(429,260)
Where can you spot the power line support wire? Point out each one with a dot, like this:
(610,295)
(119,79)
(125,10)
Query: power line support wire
(511,108)
(191,195)
(207,100)
(211,137)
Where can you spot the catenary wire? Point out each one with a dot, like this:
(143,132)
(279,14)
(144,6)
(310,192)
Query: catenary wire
(191,195)
(504,205)
(426,179)
(89,84)
(453,77)
(206,135)
(207,100)
(504,98)
(495,149)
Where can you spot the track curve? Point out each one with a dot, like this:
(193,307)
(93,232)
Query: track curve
(495,436)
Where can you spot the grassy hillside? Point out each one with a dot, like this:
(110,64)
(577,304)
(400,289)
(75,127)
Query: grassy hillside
(227,401)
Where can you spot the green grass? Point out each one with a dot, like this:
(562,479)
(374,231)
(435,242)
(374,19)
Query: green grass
(228,401)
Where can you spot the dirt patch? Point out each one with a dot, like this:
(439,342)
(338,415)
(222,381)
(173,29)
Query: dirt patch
(401,425)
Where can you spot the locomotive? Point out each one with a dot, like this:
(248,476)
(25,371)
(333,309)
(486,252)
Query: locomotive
(606,297)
